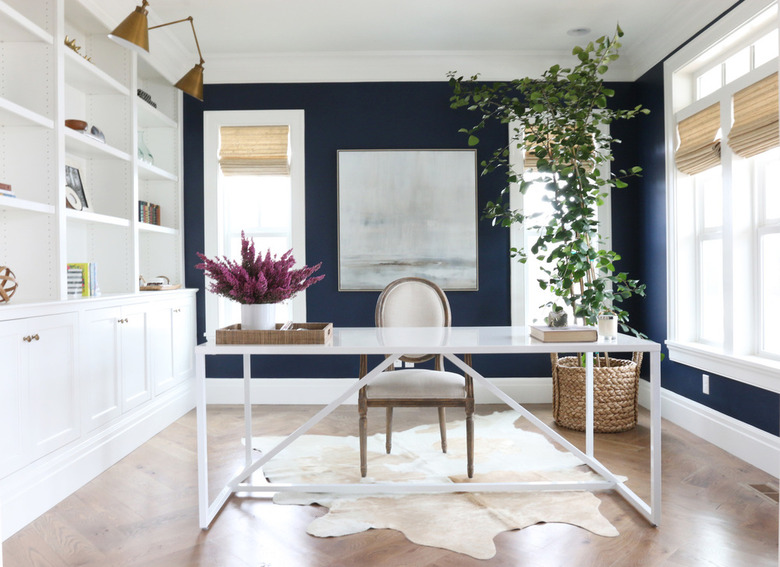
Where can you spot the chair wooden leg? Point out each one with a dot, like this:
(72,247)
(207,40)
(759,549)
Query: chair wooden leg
(443,429)
(388,429)
(363,425)
(470,442)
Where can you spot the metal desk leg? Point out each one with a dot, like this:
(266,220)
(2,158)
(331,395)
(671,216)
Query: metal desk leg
(589,404)
(655,437)
(203,468)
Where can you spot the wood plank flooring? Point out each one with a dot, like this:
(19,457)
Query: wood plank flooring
(143,511)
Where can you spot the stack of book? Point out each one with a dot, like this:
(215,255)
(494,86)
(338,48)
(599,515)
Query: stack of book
(570,334)
(148,212)
(82,279)
(6,191)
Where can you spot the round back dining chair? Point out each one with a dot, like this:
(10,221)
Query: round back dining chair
(415,302)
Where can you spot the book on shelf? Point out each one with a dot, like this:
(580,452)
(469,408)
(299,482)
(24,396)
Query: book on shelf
(570,334)
(148,213)
(6,191)
(82,279)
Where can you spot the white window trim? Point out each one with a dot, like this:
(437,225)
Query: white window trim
(212,121)
(518,282)
(760,372)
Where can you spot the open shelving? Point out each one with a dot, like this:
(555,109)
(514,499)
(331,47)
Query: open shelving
(46,82)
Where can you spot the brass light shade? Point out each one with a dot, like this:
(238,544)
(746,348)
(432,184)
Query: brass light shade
(192,82)
(133,32)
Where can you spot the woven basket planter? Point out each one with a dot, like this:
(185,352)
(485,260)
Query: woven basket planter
(615,389)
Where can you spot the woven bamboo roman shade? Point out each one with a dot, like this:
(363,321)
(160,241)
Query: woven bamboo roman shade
(699,145)
(756,127)
(254,150)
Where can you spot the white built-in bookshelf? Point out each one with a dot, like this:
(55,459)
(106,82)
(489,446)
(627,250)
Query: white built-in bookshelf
(46,82)
(85,380)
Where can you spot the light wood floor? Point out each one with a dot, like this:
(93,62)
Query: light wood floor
(143,510)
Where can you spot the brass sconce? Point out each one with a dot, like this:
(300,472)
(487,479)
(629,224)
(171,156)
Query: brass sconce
(133,33)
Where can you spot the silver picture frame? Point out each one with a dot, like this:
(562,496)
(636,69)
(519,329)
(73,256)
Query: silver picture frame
(407,213)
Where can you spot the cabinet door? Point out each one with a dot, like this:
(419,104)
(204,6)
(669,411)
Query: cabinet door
(183,332)
(158,324)
(100,386)
(135,377)
(13,400)
(51,364)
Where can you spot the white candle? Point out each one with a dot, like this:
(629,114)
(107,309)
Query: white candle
(608,327)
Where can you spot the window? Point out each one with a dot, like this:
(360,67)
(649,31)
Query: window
(723,156)
(528,299)
(253,172)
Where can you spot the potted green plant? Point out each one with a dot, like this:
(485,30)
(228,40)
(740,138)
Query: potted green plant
(562,119)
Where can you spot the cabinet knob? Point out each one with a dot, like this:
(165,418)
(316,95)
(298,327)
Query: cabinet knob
(177,310)
(35,337)
(27,339)
(31,338)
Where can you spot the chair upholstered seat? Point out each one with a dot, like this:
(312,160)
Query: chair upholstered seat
(417,383)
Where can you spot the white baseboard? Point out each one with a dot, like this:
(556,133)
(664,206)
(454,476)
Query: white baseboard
(322,391)
(752,445)
(749,443)
(36,488)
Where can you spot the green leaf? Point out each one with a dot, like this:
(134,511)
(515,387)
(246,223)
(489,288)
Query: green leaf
(473,140)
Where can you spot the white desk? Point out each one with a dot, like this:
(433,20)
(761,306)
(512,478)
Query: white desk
(450,342)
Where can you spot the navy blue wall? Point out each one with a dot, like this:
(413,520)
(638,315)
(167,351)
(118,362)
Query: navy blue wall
(417,115)
(355,116)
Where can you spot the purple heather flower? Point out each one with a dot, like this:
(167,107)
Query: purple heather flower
(257,279)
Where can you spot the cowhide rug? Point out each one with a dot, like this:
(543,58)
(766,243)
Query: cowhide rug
(461,522)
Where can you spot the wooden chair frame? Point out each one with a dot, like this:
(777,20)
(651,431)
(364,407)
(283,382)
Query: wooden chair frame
(466,402)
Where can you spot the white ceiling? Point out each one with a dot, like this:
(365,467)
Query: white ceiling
(248,40)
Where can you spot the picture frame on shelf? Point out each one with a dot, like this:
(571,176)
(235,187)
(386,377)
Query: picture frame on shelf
(75,197)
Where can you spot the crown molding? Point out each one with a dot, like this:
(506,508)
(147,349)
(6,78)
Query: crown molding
(377,66)
(691,18)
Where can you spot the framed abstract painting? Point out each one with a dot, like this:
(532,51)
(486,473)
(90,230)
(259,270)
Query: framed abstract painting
(407,213)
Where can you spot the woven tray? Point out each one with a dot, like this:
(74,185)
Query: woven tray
(615,393)
(298,334)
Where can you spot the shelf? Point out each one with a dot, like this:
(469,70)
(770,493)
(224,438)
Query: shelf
(12,114)
(90,217)
(7,203)
(150,117)
(15,27)
(146,227)
(154,173)
(84,146)
(88,78)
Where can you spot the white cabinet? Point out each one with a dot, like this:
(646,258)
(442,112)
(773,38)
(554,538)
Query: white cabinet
(136,388)
(38,391)
(83,385)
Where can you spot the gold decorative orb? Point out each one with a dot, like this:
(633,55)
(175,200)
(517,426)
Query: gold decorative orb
(8,284)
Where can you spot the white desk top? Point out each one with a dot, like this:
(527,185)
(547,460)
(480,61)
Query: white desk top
(429,340)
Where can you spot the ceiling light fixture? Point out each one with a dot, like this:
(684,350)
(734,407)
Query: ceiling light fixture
(133,33)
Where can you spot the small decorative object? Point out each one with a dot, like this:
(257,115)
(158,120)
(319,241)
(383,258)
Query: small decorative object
(257,280)
(8,284)
(146,97)
(160,283)
(608,326)
(77,48)
(78,125)
(557,316)
(74,192)
(143,151)
(95,133)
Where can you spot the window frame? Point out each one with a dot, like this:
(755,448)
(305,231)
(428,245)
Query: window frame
(213,210)
(738,358)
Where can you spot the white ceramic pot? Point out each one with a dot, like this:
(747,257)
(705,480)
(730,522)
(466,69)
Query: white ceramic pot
(258,316)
